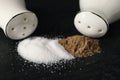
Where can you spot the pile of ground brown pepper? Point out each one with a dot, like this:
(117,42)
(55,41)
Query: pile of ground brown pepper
(81,46)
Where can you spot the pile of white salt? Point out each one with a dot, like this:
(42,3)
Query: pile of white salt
(42,50)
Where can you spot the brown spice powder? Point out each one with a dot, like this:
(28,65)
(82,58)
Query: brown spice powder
(80,46)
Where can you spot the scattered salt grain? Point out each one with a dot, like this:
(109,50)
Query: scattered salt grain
(42,50)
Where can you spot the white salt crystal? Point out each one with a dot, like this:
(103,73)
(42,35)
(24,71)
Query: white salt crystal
(42,50)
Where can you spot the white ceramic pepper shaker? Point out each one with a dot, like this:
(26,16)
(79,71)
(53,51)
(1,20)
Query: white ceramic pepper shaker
(95,16)
(16,21)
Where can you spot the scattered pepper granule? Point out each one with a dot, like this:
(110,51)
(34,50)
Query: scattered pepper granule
(81,46)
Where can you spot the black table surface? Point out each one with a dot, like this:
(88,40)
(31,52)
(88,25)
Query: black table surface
(56,19)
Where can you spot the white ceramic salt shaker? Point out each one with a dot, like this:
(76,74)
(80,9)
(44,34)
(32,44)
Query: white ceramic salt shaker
(95,16)
(16,21)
